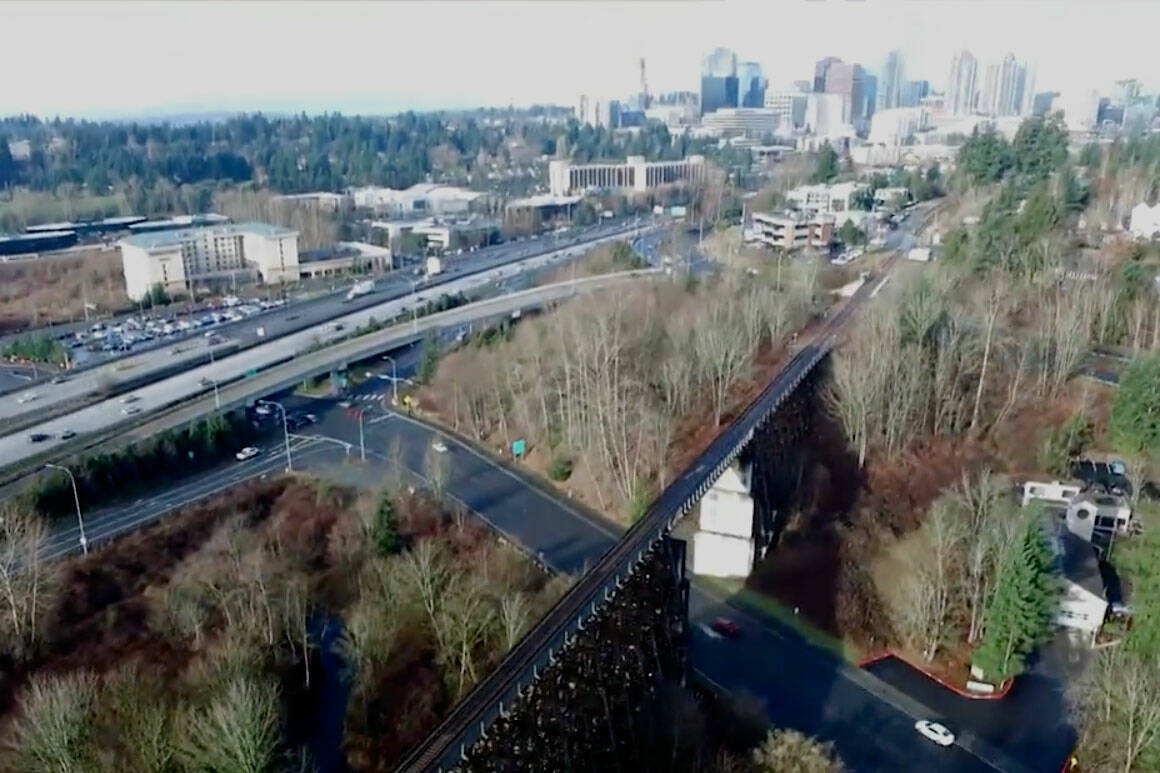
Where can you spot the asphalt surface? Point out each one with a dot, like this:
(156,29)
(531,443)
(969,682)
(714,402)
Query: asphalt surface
(108,369)
(1030,722)
(188,383)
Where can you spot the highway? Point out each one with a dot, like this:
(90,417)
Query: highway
(228,370)
(107,370)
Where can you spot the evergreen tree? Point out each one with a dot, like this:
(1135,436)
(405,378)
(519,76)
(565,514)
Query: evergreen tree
(430,360)
(826,168)
(385,529)
(1022,612)
(1135,418)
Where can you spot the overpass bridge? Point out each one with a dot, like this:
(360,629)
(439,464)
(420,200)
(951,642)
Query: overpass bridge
(563,697)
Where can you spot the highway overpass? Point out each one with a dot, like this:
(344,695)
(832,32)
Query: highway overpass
(265,370)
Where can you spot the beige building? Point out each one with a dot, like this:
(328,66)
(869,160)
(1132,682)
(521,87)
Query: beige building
(175,260)
(791,230)
(635,174)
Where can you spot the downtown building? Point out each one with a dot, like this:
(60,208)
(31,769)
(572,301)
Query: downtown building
(962,84)
(891,83)
(1007,90)
(720,85)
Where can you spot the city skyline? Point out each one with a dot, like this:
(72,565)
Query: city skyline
(352,57)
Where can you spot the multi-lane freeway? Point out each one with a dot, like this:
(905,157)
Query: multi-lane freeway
(106,371)
(197,380)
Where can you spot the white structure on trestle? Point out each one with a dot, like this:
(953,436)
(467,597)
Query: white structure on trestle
(725,544)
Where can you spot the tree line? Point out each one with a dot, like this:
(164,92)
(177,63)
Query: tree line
(106,477)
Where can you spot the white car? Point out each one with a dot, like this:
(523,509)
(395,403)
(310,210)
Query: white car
(249,452)
(27,397)
(439,446)
(933,731)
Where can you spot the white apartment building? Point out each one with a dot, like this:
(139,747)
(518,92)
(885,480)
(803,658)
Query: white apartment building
(790,107)
(825,199)
(824,116)
(635,174)
(894,127)
(175,260)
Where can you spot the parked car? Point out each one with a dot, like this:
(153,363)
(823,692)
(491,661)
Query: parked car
(726,627)
(249,452)
(933,731)
(1110,477)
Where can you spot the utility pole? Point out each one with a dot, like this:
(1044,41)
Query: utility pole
(362,447)
(394,380)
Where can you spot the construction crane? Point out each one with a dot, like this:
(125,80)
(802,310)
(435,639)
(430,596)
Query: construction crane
(644,97)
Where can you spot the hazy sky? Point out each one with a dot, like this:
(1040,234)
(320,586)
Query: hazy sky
(131,58)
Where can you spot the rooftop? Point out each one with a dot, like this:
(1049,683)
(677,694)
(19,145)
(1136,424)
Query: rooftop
(1078,562)
(154,240)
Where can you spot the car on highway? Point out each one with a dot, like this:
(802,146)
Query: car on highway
(39,437)
(27,397)
(726,627)
(205,382)
(247,453)
(933,731)
(130,410)
(68,434)
(263,410)
(439,446)
(58,379)
(127,399)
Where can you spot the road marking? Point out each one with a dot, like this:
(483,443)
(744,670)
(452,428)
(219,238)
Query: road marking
(500,468)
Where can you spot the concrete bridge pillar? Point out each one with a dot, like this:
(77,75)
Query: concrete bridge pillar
(725,543)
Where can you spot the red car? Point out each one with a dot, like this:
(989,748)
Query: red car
(726,627)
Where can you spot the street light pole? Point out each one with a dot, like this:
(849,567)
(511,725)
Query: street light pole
(394,380)
(285,431)
(77,500)
(362,446)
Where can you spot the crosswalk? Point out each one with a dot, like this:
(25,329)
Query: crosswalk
(369,397)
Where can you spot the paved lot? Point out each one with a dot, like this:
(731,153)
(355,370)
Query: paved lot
(1030,723)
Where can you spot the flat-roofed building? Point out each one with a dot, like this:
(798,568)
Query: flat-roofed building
(635,174)
(826,199)
(791,230)
(175,260)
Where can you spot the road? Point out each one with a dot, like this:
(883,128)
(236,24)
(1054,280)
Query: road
(153,397)
(797,684)
(108,369)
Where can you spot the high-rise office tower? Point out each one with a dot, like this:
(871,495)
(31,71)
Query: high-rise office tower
(719,82)
(891,81)
(869,96)
(1004,88)
(750,85)
(913,92)
(848,80)
(821,69)
(962,83)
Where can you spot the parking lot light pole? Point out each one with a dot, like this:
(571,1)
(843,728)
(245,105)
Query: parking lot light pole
(77,500)
(285,431)
(394,380)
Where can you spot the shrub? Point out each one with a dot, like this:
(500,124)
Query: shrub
(561,469)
